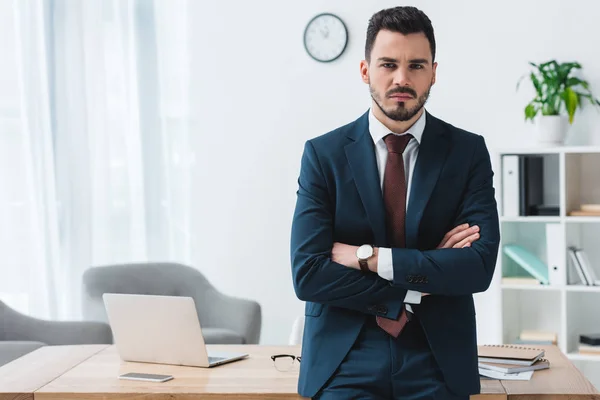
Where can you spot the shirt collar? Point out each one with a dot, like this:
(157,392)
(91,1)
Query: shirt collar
(378,130)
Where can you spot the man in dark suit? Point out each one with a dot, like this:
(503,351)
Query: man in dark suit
(395,227)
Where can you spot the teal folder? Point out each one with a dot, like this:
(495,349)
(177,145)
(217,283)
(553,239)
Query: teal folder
(529,262)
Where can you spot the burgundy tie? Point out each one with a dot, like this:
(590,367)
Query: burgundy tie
(394,197)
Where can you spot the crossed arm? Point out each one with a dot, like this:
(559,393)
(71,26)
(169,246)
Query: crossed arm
(321,273)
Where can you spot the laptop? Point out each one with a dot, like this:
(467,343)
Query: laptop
(160,329)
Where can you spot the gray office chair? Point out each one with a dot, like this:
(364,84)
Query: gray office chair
(224,319)
(21,334)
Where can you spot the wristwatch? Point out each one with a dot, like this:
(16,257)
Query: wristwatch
(363,253)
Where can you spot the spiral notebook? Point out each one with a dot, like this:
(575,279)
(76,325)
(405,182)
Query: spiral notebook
(542,363)
(509,354)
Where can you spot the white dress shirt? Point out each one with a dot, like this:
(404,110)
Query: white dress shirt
(378,131)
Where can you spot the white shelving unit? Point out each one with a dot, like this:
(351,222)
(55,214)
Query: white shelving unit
(571,178)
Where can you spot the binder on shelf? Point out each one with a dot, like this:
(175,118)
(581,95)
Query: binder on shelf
(575,266)
(529,262)
(510,186)
(531,185)
(586,266)
(555,254)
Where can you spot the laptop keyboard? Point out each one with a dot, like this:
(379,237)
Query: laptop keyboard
(215,359)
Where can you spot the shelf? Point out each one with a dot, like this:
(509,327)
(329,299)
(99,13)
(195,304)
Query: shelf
(568,288)
(529,287)
(583,357)
(533,218)
(582,288)
(582,219)
(551,219)
(551,150)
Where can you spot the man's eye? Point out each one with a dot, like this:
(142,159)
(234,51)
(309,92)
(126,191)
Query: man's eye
(416,66)
(389,65)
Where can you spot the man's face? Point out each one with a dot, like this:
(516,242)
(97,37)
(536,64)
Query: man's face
(400,73)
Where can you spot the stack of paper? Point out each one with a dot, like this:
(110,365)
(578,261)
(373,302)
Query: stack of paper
(510,362)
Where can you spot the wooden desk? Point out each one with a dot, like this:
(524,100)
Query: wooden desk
(90,372)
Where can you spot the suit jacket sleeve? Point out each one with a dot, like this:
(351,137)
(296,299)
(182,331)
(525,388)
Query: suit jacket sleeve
(459,271)
(316,277)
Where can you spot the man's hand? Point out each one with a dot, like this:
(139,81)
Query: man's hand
(346,255)
(459,237)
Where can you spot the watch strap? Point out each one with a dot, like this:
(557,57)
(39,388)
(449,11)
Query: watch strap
(364,265)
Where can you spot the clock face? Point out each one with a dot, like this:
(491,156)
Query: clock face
(325,37)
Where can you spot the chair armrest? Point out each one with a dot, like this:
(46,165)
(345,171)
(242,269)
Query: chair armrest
(20,327)
(240,315)
(10,351)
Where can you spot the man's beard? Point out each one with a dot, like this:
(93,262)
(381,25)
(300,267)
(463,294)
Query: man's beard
(401,113)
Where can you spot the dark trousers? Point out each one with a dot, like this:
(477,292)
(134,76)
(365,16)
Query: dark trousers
(382,367)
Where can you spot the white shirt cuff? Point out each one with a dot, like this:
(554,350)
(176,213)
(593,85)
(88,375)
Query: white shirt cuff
(412,297)
(385,269)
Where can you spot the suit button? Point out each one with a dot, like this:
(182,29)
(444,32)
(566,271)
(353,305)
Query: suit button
(382,310)
(371,308)
(409,279)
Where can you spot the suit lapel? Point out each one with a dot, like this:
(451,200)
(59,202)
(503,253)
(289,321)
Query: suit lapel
(363,164)
(433,150)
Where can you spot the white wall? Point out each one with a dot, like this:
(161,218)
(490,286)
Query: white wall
(258,96)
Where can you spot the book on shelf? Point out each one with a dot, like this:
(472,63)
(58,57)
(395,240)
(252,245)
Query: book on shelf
(590,207)
(587,210)
(528,261)
(520,280)
(582,266)
(592,339)
(539,336)
(513,369)
(581,213)
(509,354)
(523,187)
(534,342)
(589,349)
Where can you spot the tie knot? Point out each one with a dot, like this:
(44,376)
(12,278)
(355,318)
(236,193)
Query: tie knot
(397,143)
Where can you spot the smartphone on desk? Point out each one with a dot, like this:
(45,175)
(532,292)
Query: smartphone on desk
(138,376)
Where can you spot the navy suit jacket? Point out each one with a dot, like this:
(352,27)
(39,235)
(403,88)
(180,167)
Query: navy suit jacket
(339,199)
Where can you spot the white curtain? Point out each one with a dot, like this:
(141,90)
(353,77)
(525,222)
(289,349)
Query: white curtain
(103,128)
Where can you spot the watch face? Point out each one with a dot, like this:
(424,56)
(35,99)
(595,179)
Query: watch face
(325,37)
(364,252)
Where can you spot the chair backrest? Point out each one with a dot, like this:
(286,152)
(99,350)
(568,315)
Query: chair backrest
(167,279)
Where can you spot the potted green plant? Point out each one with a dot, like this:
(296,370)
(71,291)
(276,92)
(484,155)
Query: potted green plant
(558,95)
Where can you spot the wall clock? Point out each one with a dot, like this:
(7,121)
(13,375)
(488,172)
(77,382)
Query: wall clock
(325,37)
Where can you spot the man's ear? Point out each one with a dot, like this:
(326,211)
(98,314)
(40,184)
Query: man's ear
(435,64)
(364,71)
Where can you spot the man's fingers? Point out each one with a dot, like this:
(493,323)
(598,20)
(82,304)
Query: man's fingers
(458,237)
(452,232)
(468,240)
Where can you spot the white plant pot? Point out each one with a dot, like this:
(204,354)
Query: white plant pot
(551,130)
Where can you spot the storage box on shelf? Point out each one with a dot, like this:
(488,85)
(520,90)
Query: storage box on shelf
(541,202)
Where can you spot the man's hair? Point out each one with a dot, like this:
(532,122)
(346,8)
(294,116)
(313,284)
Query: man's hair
(404,20)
